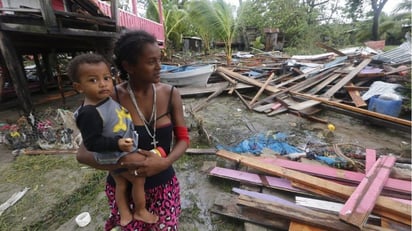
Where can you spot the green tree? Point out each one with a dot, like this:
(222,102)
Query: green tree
(355,10)
(290,16)
(174,16)
(215,18)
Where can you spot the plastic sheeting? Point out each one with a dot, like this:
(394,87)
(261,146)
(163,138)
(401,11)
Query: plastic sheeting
(255,144)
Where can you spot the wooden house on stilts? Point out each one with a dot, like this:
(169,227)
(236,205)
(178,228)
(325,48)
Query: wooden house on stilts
(45,29)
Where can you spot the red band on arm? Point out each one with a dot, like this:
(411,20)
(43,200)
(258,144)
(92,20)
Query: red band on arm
(181,133)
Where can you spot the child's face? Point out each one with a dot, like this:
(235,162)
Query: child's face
(95,81)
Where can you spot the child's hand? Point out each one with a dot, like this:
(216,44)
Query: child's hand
(126,144)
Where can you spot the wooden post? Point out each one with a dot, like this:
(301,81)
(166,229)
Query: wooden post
(115,12)
(48,14)
(40,73)
(16,72)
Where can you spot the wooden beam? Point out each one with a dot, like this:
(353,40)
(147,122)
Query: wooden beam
(225,204)
(296,226)
(370,159)
(385,206)
(114,11)
(361,202)
(246,79)
(392,184)
(48,14)
(215,94)
(328,48)
(261,89)
(255,179)
(355,109)
(346,79)
(355,95)
(16,71)
(293,212)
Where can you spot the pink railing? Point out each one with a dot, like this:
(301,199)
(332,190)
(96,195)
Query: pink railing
(132,21)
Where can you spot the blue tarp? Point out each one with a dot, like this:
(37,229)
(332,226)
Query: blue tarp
(255,144)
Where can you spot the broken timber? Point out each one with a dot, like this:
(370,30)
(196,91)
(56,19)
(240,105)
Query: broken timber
(360,204)
(385,206)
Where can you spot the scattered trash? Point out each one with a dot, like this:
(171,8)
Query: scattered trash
(83,219)
(12,200)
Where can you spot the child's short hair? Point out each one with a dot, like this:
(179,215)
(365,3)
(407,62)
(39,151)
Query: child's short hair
(89,58)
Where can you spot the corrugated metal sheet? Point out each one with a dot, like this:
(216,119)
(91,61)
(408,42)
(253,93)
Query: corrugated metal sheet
(401,54)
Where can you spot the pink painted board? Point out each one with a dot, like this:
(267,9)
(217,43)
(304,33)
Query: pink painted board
(263,196)
(396,185)
(370,159)
(273,182)
(360,204)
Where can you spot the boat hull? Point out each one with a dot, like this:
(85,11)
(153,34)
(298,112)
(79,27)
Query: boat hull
(188,75)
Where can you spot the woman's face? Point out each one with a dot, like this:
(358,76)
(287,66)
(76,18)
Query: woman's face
(148,66)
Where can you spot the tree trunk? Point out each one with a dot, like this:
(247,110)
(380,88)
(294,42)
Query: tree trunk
(377,6)
(375,26)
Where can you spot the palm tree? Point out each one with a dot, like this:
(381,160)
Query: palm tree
(216,18)
(173,18)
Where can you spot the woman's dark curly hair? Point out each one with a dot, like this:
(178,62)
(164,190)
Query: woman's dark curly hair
(129,47)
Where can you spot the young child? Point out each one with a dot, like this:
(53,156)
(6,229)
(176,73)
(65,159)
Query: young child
(108,131)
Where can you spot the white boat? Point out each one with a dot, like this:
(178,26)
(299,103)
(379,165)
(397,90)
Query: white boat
(187,75)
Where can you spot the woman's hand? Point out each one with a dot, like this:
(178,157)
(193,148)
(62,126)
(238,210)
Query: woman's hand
(151,164)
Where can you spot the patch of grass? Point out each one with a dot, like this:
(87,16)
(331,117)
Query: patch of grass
(70,205)
(30,170)
(49,202)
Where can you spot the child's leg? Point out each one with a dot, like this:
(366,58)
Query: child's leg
(139,200)
(121,197)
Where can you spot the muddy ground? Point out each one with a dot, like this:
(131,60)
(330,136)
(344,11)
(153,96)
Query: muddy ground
(60,188)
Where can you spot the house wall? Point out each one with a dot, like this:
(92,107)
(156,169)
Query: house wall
(57,4)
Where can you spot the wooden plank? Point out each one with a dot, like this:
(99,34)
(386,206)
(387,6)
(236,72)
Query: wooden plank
(370,159)
(294,212)
(303,105)
(262,89)
(213,95)
(212,87)
(328,48)
(346,79)
(360,204)
(227,78)
(247,80)
(355,109)
(16,72)
(397,185)
(296,86)
(48,14)
(323,84)
(242,99)
(254,227)
(384,206)
(255,179)
(389,224)
(327,206)
(356,97)
(262,108)
(225,204)
(201,151)
(296,226)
